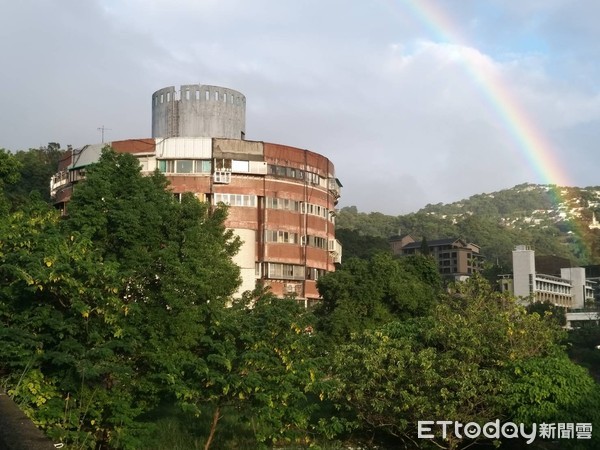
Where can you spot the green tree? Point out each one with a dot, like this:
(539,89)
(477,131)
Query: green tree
(477,357)
(9,175)
(101,310)
(64,357)
(259,364)
(37,167)
(549,310)
(356,245)
(368,293)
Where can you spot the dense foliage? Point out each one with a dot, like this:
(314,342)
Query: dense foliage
(123,312)
(553,220)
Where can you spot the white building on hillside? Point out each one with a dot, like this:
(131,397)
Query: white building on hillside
(571,290)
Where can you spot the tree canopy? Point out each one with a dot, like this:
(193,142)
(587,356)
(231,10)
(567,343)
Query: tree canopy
(126,305)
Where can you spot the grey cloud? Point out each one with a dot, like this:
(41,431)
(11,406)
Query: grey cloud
(363,84)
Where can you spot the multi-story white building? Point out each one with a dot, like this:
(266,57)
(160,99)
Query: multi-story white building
(571,290)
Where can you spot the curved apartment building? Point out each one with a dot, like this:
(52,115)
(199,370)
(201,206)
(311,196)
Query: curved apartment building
(281,199)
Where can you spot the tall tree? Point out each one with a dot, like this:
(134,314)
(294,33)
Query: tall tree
(478,357)
(367,293)
(36,167)
(101,309)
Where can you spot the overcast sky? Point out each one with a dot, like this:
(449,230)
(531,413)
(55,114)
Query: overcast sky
(398,94)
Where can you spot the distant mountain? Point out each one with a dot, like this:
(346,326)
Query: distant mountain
(552,219)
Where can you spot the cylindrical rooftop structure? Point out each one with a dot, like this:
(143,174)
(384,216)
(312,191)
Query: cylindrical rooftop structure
(198,110)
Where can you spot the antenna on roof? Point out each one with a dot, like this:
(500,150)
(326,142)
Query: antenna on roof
(102,129)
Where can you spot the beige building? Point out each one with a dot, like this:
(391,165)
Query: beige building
(456,258)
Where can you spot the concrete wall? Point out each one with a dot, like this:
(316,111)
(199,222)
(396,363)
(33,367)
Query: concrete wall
(245,259)
(523,267)
(577,277)
(17,432)
(198,110)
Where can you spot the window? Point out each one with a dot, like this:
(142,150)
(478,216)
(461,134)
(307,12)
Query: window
(282,203)
(318,242)
(207,95)
(221,164)
(313,178)
(185,166)
(166,165)
(282,237)
(221,176)
(285,271)
(216,96)
(313,273)
(187,94)
(235,199)
(202,166)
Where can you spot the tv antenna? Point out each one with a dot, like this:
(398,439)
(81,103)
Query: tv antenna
(102,129)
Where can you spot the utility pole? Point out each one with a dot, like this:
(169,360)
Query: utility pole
(102,129)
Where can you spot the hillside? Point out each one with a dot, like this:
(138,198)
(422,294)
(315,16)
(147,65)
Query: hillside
(554,220)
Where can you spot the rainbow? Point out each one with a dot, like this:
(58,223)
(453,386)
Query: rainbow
(536,149)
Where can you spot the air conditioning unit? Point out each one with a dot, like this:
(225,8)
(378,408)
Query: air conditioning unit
(290,288)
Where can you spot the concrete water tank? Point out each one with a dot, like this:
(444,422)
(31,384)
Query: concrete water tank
(198,110)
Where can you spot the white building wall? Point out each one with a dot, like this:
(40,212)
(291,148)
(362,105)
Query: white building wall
(246,259)
(184,148)
(577,277)
(523,267)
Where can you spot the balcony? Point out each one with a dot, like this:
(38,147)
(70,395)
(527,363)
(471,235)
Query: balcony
(335,250)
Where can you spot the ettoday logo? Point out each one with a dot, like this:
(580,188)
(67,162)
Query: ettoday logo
(495,430)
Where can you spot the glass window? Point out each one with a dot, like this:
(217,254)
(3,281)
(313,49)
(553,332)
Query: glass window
(185,166)
(202,166)
(165,166)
